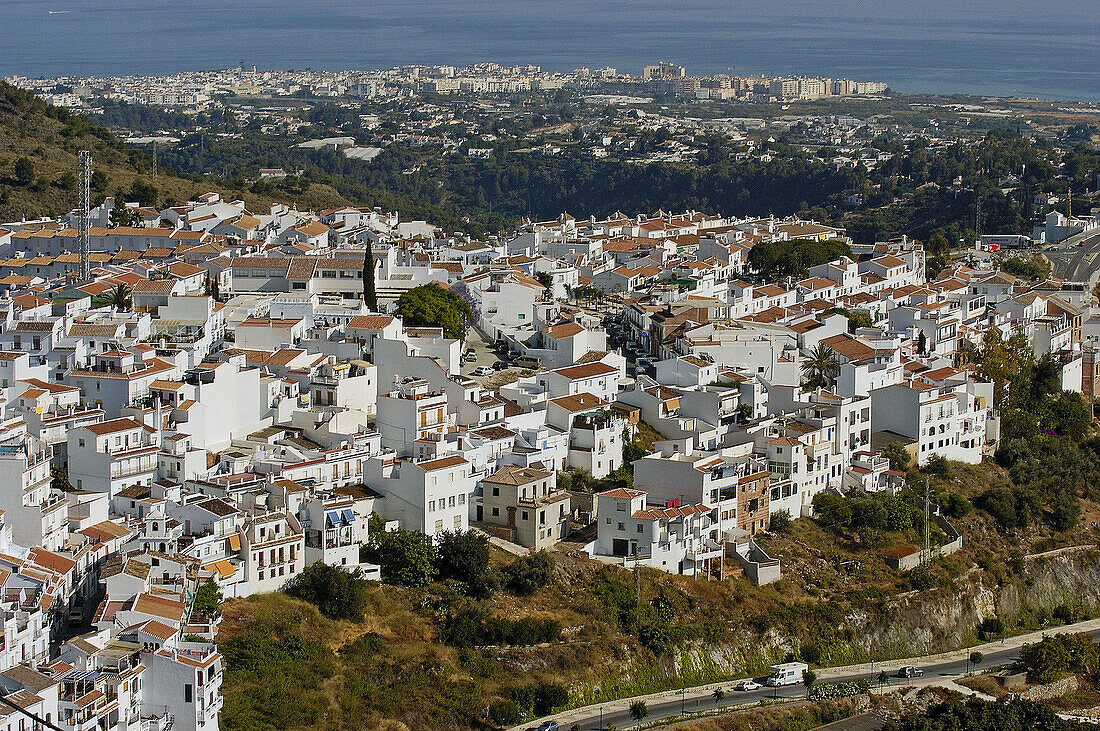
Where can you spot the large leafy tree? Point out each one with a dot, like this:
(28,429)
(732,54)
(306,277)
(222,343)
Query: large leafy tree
(463,556)
(820,367)
(407,557)
(430,305)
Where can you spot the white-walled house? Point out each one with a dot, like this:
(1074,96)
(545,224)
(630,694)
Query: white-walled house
(672,538)
(113,455)
(431,496)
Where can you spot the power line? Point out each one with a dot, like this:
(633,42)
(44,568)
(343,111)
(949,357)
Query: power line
(39,722)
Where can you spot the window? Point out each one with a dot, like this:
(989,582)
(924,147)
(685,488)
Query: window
(188,692)
(639,527)
(622,527)
(496,512)
(525,515)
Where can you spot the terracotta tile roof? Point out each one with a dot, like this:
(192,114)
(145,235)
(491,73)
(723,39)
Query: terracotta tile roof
(110,427)
(586,370)
(621,493)
(441,463)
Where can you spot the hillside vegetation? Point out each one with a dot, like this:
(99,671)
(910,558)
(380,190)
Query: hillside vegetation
(441,656)
(50,138)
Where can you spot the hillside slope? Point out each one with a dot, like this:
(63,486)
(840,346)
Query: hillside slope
(51,137)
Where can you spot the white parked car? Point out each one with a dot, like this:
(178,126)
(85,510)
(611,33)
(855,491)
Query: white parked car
(747,685)
(483,371)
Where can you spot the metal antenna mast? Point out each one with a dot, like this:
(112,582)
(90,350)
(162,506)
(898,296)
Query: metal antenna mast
(85,213)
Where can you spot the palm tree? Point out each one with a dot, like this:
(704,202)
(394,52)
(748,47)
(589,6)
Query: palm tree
(119,297)
(820,367)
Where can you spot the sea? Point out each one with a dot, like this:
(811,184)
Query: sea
(1023,48)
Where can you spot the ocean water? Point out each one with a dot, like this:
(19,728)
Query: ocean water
(1001,47)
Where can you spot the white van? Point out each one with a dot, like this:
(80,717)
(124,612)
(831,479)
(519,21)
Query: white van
(786,673)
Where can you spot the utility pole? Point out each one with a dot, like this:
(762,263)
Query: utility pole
(154,160)
(84,227)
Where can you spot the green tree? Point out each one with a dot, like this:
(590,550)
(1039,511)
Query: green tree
(976,658)
(407,558)
(430,305)
(820,367)
(463,556)
(207,598)
(59,479)
(123,215)
(370,294)
(547,282)
(120,297)
(337,594)
(898,455)
(24,171)
(639,711)
(809,677)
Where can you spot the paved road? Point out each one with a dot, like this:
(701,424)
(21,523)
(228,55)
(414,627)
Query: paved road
(1077,261)
(938,670)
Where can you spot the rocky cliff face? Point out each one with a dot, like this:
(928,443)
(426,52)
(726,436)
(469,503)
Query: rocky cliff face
(914,623)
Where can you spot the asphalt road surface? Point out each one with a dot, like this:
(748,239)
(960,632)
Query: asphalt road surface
(1076,262)
(937,669)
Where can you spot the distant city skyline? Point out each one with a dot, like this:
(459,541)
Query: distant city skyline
(978,48)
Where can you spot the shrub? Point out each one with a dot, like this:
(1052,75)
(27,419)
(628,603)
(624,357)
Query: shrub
(780,522)
(527,574)
(844,689)
(922,579)
(990,628)
(471,627)
(976,658)
(336,593)
(639,711)
(956,506)
(549,697)
(937,465)
(504,712)
(655,637)
(1049,658)
(810,653)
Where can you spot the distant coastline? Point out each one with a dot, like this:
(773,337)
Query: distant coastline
(925,46)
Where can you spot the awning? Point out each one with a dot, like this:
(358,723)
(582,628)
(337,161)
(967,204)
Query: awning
(234,543)
(349,517)
(223,568)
